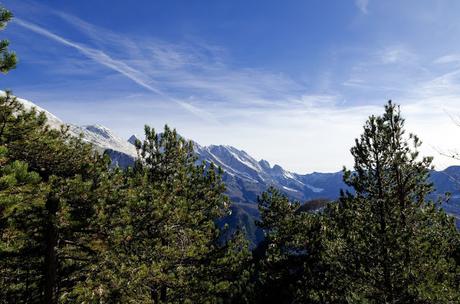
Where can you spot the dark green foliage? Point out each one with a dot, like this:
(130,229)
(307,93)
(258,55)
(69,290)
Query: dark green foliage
(240,220)
(46,202)
(7,58)
(386,242)
(161,241)
(314,205)
(289,266)
(19,268)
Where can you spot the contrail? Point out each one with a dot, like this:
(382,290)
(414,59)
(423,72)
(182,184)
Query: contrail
(116,65)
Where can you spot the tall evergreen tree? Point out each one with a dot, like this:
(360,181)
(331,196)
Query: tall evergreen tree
(163,245)
(45,206)
(386,241)
(289,268)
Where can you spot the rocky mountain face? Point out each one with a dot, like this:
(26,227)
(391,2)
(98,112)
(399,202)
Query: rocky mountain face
(246,177)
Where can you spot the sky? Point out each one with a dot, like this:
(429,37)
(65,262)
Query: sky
(291,82)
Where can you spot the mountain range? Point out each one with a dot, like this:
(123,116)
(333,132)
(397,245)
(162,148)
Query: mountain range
(246,178)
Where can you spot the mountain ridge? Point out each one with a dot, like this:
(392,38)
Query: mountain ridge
(245,177)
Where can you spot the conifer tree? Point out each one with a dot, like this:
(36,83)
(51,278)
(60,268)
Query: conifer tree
(45,206)
(289,268)
(7,58)
(162,240)
(388,243)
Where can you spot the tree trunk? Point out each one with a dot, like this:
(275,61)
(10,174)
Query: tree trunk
(50,267)
(387,287)
(164,297)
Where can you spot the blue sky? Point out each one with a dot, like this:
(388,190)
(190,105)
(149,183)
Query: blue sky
(287,81)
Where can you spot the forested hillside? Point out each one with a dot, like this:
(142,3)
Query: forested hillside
(245,178)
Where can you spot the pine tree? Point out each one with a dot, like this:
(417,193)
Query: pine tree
(18,267)
(7,58)
(386,241)
(289,266)
(163,245)
(46,206)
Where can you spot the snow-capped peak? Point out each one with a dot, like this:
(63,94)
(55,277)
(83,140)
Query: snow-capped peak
(98,135)
(100,131)
(104,138)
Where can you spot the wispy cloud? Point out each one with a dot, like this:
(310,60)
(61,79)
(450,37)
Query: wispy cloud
(182,71)
(397,54)
(114,64)
(362,5)
(446,59)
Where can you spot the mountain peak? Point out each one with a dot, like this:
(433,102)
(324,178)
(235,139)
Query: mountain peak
(133,139)
(100,130)
(264,164)
(104,138)
(278,169)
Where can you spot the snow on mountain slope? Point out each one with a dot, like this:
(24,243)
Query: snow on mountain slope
(246,177)
(98,135)
(104,138)
(231,160)
(53,121)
